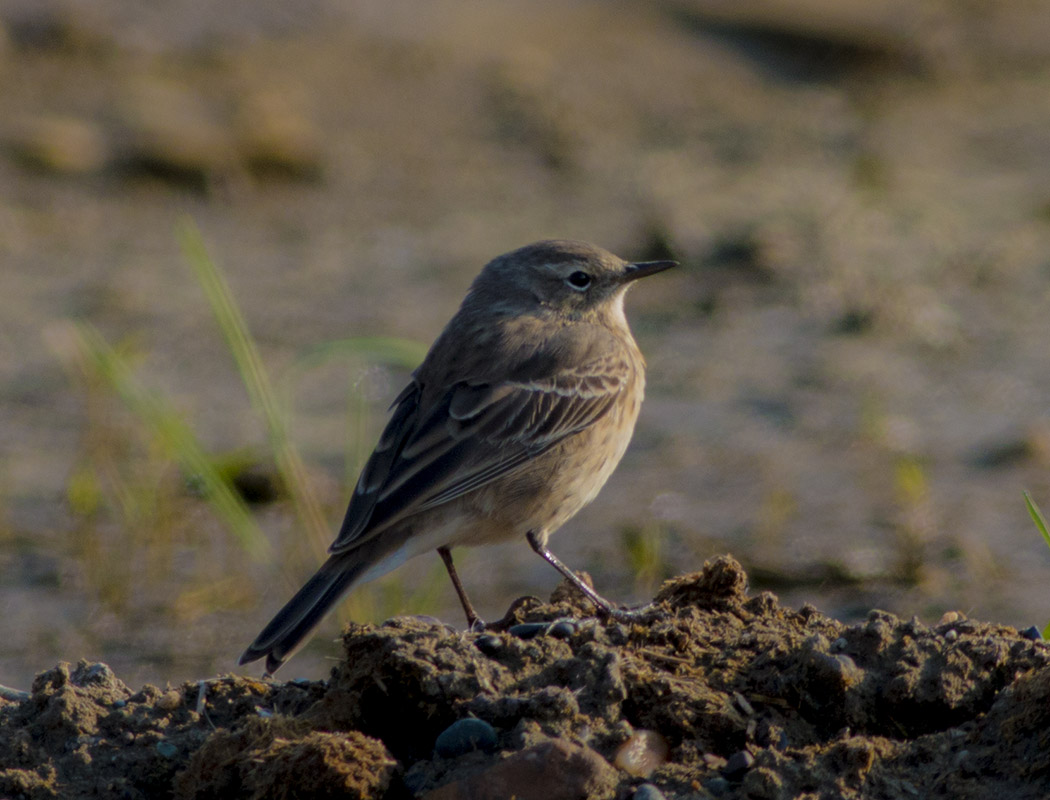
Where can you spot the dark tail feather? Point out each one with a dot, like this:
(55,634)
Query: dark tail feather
(289,628)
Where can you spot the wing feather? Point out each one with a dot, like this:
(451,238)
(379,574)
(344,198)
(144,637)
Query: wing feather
(475,433)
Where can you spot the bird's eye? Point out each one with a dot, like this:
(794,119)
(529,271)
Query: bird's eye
(579,280)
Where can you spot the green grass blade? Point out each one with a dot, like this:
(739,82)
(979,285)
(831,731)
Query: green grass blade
(1037,517)
(257,383)
(177,438)
(1040,523)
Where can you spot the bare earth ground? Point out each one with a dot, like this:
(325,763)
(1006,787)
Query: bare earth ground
(714,694)
(848,378)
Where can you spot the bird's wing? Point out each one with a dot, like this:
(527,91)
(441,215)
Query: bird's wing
(475,433)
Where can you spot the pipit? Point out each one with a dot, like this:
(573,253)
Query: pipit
(517,416)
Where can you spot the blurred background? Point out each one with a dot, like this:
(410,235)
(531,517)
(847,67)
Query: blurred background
(848,378)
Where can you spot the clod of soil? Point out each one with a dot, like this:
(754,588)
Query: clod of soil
(710,693)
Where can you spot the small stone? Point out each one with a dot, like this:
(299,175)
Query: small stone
(951,636)
(717,786)
(838,671)
(169,701)
(562,629)
(738,764)
(527,630)
(648,791)
(713,761)
(489,645)
(745,707)
(167,749)
(847,666)
(552,769)
(642,753)
(1031,633)
(465,736)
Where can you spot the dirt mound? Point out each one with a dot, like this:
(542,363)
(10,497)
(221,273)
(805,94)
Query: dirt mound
(709,693)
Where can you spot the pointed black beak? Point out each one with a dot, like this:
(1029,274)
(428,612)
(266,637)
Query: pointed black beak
(645,268)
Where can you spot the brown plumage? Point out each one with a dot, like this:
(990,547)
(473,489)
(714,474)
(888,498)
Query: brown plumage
(521,410)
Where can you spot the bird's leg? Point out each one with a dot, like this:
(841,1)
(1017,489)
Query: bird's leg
(474,622)
(604,606)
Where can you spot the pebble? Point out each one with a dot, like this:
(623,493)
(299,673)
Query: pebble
(167,749)
(489,645)
(562,629)
(648,791)
(169,701)
(839,668)
(465,736)
(951,636)
(738,764)
(527,630)
(745,707)
(717,786)
(642,753)
(1031,633)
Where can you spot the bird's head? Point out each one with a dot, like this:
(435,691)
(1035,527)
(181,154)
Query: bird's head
(560,277)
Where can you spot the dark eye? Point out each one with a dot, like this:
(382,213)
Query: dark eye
(579,280)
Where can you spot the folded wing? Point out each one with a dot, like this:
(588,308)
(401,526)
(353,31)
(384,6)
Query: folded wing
(474,434)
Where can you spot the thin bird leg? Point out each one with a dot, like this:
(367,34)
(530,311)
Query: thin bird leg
(604,606)
(474,622)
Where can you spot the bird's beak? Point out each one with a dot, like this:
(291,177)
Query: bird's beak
(645,268)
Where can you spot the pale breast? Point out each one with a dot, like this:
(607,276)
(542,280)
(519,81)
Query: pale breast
(545,494)
(592,456)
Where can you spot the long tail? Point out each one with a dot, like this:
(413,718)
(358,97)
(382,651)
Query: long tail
(289,628)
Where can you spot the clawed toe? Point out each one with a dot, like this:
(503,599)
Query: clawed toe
(623,614)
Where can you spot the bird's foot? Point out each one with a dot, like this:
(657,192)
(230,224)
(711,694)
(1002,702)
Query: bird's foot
(624,614)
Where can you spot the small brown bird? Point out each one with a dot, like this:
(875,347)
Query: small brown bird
(516,418)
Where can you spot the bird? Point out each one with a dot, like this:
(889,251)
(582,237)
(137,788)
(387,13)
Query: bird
(517,416)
